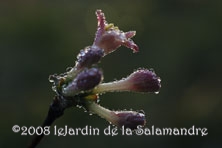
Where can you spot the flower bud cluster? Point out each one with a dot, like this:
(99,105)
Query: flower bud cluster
(84,80)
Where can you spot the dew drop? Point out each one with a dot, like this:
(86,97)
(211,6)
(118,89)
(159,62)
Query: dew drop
(68,69)
(54,88)
(157,92)
(152,70)
(141,111)
(98,100)
(79,106)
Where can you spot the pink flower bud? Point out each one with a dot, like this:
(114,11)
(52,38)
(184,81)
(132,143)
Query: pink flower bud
(142,80)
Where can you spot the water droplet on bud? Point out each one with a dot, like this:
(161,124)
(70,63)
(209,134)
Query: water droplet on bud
(68,69)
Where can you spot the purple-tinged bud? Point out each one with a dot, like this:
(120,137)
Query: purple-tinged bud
(85,80)
(128,119)
(109,37)
(89,56)
(142,80)
(89,78)
(86,58)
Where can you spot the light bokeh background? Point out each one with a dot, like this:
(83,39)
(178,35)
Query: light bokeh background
(180,40)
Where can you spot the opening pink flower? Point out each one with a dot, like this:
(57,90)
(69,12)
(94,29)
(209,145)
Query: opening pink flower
(109,38)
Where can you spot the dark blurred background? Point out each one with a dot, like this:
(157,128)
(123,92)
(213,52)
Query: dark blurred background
(180,39)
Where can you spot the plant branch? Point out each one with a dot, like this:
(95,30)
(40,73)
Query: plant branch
(56,110)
